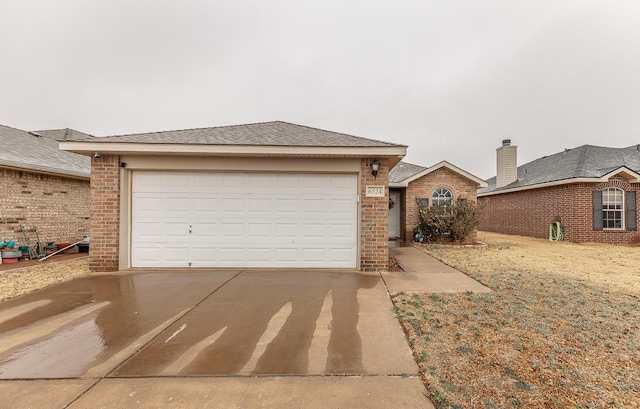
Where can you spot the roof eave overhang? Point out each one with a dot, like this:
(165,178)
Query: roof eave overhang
(103,148)
(394,153)
(630,175)
(44,171)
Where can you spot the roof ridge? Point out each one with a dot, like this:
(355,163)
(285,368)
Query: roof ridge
(339,133)
(190,129)
(15,129)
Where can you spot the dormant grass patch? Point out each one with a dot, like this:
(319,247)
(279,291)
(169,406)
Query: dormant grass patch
(14,283)
(560,330)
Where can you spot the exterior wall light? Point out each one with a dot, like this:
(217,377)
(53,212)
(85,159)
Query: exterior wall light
(375,165)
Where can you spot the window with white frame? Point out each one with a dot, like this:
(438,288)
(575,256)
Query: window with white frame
(442,197)
(613,208)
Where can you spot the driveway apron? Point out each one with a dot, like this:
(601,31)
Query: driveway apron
(139,339)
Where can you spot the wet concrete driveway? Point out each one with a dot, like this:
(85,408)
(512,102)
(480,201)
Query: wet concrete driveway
(207,339)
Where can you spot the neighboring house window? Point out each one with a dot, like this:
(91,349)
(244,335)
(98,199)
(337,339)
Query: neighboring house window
(442,197)
(614,209)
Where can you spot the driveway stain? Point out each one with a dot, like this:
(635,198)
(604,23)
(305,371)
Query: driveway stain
(271,316)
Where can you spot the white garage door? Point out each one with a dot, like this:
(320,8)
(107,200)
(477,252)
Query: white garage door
(187,219)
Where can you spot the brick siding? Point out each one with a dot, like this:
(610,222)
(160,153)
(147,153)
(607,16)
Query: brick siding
(59,207)
(105,217)
(374,216)
(461,187)
(530,212)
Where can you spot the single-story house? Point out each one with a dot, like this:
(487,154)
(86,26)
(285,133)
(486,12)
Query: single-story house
(410,184)
(269,194)
(590,190)
(42,186)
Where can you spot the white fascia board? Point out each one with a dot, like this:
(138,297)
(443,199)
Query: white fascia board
(635,178)
(444,163)
(88,148)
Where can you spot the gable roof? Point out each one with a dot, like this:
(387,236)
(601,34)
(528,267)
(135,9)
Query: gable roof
(586,163)
(31,151)
(404,173)
(260,139)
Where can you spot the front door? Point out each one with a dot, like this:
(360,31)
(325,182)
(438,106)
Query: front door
(394,215)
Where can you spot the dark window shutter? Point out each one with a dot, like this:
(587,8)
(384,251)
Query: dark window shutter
(632,211)
(597,209)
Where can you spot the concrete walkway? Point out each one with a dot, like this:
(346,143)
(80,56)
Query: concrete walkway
(425,274)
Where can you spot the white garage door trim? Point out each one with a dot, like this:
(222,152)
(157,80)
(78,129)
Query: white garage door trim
(260,220)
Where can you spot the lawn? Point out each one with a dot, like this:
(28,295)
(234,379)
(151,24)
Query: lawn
(560,330)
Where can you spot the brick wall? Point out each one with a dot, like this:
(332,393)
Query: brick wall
(374,215)
(59,207)
(530,212)
(105,217)
(461,187)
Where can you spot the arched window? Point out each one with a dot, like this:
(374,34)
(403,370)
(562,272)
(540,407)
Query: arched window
(442,197)
(613,208)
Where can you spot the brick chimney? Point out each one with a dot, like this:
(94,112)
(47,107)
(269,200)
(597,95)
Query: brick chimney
(507,156)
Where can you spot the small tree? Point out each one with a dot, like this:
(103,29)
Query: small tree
(466,218)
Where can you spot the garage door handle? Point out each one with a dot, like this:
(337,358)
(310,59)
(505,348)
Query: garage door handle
(190,229)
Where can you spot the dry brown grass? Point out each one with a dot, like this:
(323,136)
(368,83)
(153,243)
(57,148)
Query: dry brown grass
(561,330)
(28,279)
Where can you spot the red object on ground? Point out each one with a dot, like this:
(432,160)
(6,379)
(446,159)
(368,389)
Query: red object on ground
(9,260)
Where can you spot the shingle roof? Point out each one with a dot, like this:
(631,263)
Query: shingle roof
(275,133)
(403,171)
(586,161)
(36,152)
(65,134)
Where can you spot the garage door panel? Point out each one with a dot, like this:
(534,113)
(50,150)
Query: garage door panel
(244,220)
(339,256)
(315,230)
(204,231)
(260,230)
(176,230)
(204,206)
(232,205)
(342,231)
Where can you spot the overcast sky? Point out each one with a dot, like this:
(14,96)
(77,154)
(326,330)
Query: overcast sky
(449,78)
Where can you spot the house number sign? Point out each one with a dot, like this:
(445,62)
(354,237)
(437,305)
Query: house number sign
(375,191)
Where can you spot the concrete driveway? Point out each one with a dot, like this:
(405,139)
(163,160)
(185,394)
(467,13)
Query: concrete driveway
(208,339)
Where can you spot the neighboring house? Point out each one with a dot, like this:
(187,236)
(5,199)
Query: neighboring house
(591,190)
(439,184)
(42,186)
(269,194)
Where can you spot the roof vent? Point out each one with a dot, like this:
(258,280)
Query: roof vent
(506,142)
(638,147)
(36,134)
